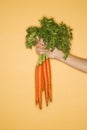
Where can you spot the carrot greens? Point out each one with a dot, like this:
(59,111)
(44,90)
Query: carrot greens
(54,35)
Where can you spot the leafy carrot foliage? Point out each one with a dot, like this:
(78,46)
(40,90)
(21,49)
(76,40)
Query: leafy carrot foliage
(54,35)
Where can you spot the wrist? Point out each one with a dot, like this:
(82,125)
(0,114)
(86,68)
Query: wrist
(59,55)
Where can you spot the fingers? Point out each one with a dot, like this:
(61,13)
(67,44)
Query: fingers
(39,41)
(40,47)
(40,50)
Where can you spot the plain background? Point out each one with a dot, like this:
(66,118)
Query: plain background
(18,111)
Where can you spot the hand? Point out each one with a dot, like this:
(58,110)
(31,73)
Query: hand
(41,49)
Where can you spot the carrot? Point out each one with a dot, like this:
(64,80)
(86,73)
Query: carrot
(45,81)
(49,78)
(43,85)
(40,85)
(36,84)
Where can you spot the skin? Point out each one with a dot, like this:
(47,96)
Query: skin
(73,61)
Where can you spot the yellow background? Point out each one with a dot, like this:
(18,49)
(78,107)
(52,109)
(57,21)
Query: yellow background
(68,111)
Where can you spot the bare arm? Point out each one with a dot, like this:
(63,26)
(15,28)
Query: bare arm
(73,61)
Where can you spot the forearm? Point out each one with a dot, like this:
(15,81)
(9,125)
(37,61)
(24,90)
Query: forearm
(74,61)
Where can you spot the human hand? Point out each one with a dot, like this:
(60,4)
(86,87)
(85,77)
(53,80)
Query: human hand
(41,49)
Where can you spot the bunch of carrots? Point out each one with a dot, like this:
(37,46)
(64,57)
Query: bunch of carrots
(54,35)
(43,81)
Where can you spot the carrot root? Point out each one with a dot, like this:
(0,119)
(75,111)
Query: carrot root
(36,85)
(45,81)
(49,79)
(40,86)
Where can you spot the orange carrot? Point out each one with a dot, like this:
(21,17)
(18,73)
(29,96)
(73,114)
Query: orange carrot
(45,81)
(49,78)
(43,85)
(40,85)
(36,84)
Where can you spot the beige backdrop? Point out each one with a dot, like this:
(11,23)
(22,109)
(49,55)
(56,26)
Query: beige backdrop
(68,111)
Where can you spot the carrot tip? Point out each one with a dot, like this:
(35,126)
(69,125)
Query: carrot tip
(50,100)
(47,103)
(36,102)
(40,107)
